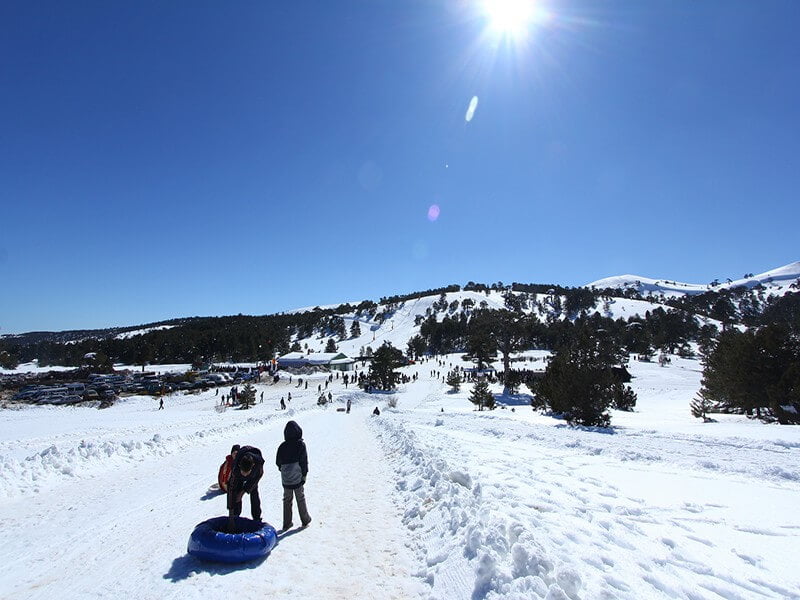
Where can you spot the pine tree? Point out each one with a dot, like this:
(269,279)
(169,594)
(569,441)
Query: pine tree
(144,355)
(481,344)
(382,369)
(441,304)
(355,329)
(481,396)
(579,381)
(416,346)
(700,405)
(247,397)
(7,361)
(330,346)
(624,397)
(508,331)
(454,380)
(340,328)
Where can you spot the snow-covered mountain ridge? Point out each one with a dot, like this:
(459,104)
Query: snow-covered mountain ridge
(652,294)
(400,321)
(777,280)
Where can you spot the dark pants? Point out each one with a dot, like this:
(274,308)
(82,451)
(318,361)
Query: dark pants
(255,503)
(288,496)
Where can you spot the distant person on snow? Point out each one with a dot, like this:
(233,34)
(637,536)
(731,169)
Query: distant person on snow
(160,404)
(283,404)
(376,411)
(292,461)
(248,467)
(225,468)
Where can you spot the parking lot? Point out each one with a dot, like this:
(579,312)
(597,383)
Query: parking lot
(104,388)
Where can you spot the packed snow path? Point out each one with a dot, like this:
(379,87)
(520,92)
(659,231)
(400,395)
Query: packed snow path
(124,534)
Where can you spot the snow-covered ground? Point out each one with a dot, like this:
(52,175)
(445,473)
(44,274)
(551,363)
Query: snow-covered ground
(32,367)
(428,500)
(129,334)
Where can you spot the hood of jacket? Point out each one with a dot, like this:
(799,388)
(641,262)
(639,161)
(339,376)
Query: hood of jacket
(292,431)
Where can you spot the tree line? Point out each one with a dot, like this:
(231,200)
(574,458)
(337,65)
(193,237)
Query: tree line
(751,365)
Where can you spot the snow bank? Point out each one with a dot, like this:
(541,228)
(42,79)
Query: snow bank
(87,459)
(468,550)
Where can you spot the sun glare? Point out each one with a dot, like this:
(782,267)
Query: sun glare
(513,17)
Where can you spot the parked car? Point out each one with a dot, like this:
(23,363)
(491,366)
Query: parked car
(54,399)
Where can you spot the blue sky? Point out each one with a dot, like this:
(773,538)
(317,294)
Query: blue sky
(167,159)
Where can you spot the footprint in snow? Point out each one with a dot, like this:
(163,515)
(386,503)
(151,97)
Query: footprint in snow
(703,541)
(751,560)
(758,531)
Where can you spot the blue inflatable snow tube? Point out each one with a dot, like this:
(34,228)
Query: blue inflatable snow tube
(209,540)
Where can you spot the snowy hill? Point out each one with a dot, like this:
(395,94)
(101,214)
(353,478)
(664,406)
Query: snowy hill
(399,324)
(777,281)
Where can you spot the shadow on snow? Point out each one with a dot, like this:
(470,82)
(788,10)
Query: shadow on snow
(591,428)
(211,493)
(187,565)
(513,399)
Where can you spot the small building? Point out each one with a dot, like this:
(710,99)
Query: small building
(345,363)
(336,361)
(293,359)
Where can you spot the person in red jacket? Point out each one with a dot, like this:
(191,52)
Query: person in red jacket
(225,468)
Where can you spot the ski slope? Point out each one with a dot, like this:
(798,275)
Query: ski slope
(428,500)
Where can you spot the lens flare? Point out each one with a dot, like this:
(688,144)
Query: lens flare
(433,212)
(473,104)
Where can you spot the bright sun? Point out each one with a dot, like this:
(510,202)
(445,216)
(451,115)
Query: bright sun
(512,17)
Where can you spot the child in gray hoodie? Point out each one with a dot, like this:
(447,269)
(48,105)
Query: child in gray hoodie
(292,461)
